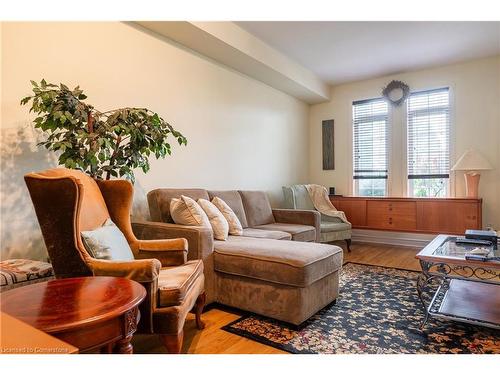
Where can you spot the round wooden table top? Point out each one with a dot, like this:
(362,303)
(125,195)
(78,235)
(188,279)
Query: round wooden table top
(62,304)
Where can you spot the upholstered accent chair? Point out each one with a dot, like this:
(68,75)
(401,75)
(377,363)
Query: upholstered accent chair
(68,202)
(331,228)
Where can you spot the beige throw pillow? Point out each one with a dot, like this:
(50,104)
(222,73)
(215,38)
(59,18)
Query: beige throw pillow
(235,227)
(186,211)
(219,224)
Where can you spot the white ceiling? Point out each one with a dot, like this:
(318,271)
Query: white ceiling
(348,51)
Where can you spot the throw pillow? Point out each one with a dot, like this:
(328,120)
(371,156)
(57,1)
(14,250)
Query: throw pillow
(185,211)
(107,242)
(219,224)
(235,227)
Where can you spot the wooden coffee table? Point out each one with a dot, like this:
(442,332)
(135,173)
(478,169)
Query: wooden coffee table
(86,312)
(468,290)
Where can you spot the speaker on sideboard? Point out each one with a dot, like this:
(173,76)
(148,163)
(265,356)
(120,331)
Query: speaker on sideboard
(332,190)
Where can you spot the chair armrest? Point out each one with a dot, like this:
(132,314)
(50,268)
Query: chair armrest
(331,219)
(200,239)
(170,252)
(304,217)
(142,271)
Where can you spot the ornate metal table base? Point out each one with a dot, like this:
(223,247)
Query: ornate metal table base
(424,279)
(440,275)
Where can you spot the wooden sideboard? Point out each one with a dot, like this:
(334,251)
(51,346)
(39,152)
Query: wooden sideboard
(422,215)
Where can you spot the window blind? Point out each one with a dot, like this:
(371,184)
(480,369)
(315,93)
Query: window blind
(370,121)
(428,134)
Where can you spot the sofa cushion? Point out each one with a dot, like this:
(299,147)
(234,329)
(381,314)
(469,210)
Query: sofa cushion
(330,226)
(299,232)
(257,208)
(284,262)
(159,201)
(219,224)
(235,227)
(174,283)
(261,233)
(233,199)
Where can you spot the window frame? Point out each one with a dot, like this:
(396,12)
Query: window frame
(388,150)
(397,181)
(449,184)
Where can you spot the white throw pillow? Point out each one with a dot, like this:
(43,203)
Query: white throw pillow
(219,224)
(186,211)
(235,227)
(107,242)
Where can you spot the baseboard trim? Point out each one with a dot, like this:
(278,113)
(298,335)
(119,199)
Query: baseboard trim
(391,238)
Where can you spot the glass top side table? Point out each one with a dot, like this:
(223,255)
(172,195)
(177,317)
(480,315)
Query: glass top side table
(467,290)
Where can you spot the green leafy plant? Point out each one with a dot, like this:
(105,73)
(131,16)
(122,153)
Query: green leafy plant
(102,144)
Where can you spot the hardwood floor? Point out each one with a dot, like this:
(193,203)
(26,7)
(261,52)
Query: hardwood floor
(213,340)
(384,255)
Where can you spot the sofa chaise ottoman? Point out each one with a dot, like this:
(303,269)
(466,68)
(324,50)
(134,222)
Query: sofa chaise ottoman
(286,280)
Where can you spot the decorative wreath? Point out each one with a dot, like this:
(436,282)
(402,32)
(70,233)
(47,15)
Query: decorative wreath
(396,92)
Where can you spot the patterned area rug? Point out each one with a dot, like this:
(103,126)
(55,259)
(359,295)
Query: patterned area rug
(378,311)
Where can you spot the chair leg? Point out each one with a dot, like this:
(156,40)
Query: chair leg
(200,304)
(173,343)
(348,242)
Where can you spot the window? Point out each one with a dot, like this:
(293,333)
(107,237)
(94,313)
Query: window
(370,120)
(428,139)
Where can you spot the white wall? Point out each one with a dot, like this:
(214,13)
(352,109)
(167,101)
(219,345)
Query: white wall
(475,123)
(241,133)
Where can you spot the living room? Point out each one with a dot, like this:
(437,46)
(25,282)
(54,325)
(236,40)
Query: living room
(270,185)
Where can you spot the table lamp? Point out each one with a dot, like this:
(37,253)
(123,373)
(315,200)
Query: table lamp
(471,162)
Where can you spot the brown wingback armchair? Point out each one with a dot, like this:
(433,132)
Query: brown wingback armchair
(68,202)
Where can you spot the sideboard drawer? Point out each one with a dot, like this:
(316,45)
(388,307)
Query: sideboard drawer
(395,222)
(401,208)
(392,215)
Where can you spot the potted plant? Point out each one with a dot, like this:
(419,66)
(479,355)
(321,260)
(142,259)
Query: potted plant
(102,144)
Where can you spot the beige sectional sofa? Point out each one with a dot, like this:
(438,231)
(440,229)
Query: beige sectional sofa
(275,268)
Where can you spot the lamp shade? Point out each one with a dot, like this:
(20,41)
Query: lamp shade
(471,160)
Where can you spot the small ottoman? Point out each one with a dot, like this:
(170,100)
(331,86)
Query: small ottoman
(19,272)
(285,280)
